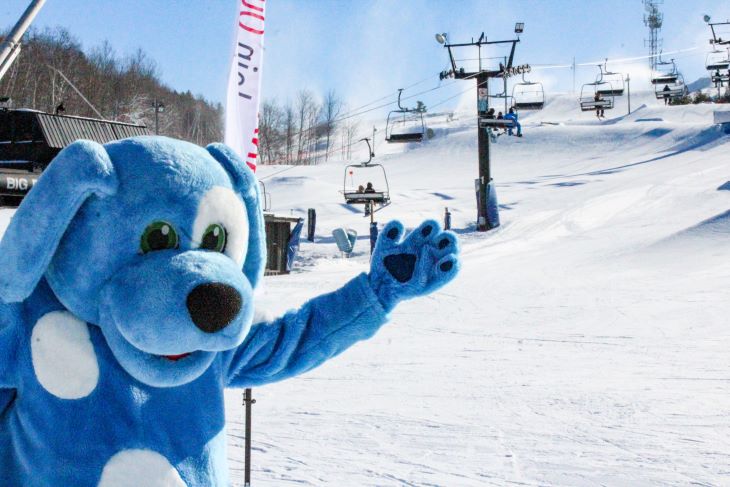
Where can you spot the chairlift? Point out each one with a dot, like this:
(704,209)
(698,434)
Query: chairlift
(404,124)
(672,89)
(663,75)
(496,123)
(612,84)
(588,94)
(528,95)
(718,60)
(373,198)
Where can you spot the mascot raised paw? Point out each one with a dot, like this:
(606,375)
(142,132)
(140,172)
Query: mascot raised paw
(127,306)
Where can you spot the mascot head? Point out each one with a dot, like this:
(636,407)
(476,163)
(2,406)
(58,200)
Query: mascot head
(158,242)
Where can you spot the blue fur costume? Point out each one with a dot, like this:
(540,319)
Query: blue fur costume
(125,313)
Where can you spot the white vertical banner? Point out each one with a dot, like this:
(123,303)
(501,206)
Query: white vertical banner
(244,81)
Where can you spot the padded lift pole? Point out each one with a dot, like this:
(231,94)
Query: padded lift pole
(487,208)
(484,222)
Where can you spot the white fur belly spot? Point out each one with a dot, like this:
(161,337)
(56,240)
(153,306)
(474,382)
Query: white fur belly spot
(139,468)
(63,356)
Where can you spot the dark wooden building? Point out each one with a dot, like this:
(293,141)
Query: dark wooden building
(30,139)
(278,235)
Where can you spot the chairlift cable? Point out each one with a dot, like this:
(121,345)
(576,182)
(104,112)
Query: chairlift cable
(347,146)
(354,113)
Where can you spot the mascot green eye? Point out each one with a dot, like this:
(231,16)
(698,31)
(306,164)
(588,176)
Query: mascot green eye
(214,238)
(158,236)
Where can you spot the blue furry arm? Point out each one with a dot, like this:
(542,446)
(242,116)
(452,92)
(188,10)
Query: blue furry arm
(304,339)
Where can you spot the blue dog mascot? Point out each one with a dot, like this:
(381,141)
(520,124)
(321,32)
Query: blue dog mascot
(125,313)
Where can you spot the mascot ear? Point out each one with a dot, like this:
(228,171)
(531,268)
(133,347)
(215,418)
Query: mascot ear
(247,187)
(81,170)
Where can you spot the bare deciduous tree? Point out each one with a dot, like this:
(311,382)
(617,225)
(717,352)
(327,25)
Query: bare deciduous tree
(331,107)
(120,88)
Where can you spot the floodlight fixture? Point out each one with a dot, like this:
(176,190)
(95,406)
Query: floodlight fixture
(519,27)
(441,38)
(707,18)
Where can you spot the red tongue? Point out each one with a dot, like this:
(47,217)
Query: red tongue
(175,358)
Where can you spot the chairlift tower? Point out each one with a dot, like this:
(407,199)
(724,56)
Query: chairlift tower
(653,19)
(487,209)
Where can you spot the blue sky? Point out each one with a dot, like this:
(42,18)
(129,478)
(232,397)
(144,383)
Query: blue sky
(366,49)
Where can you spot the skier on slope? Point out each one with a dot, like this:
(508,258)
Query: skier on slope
(512,115)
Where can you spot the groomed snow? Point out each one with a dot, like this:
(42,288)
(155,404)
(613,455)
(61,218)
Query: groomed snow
(584,343)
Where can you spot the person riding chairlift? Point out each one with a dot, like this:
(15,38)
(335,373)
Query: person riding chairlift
(512,115)
(500,132)
(600,111)
(369,188)
(666,91)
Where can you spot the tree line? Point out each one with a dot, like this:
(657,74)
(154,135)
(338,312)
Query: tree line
(305,131)
(122,88)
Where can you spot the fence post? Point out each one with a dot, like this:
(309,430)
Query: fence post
(373,235)
(248,400)
(311,224)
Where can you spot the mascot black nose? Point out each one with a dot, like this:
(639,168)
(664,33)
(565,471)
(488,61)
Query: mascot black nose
(213,306)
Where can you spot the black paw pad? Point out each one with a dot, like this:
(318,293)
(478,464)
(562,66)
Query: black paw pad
(392,233)
(400,266)
(446,266)
(444,243)
(426,231)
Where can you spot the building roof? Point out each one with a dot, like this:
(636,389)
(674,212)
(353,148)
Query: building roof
(62,130)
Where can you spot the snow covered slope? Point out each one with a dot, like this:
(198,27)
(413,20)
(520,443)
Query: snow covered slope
(584,343)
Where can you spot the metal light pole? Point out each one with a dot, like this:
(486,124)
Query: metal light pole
(159,107)
(10,47)
(487,208)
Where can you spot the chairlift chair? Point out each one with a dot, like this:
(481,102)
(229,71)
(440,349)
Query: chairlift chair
(528,95)
(588,93)
(677,88)
(614,83)
(720,78)
(496,123)
(665,76)
(404,124)
(718,60)
(373,201)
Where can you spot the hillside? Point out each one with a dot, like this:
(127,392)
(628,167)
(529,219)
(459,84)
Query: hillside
(583,343)
(122,88)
